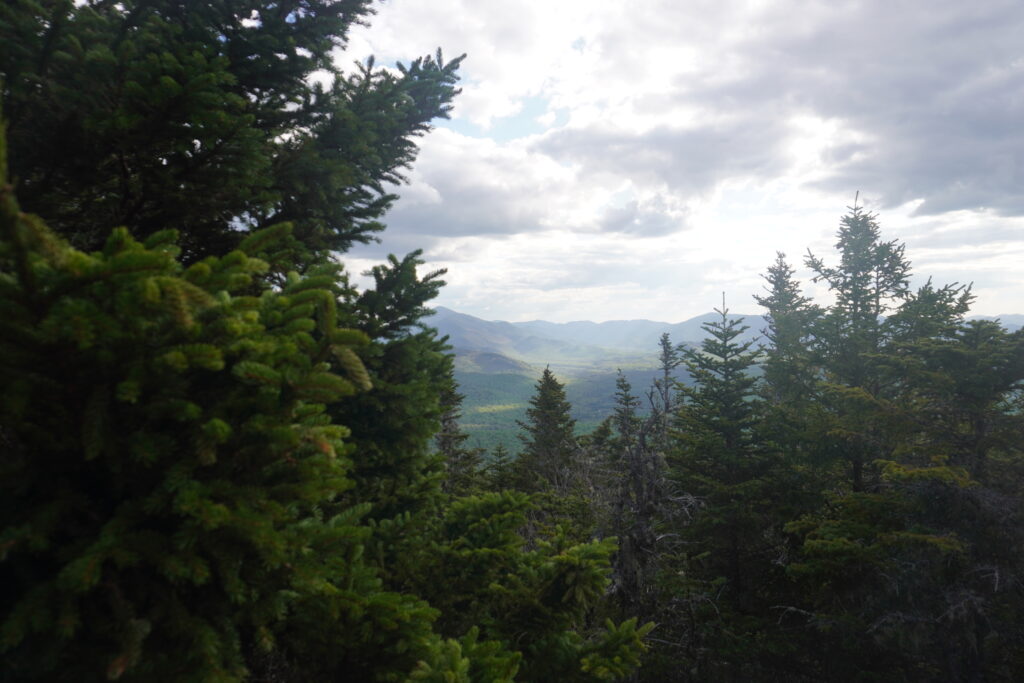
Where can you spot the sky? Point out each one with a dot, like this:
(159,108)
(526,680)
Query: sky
(610,160)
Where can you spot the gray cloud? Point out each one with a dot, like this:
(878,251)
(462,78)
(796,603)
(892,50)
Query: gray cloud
(647,219)
(685,161)
(937,87)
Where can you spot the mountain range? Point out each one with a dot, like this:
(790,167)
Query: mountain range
(497,363)
(498,346)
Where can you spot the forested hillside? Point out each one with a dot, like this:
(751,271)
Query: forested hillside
(224,461)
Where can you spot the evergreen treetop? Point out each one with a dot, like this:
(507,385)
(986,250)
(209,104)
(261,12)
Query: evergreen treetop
(210,118)
(549,440)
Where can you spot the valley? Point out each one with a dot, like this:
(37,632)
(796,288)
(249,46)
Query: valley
(497,364)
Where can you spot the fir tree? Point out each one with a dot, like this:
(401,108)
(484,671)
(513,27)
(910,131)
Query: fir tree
(201,117)
(664,390)
(499,469)
(637,496)
(719,576)
(463,465)
(211,518)
(869,281)
(180,427)
(788,371)
(549,441)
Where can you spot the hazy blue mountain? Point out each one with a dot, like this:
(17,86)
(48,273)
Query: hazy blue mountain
(1011,321)
(542,341)
(468,334)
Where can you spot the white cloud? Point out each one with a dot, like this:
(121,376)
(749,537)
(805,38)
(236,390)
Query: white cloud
(679,145)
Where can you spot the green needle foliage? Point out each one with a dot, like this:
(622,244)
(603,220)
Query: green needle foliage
(201,116)
(177,426)
(181,500)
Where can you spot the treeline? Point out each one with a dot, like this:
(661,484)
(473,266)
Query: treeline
(850,511)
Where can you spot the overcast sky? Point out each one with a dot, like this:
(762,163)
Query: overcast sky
(612,160)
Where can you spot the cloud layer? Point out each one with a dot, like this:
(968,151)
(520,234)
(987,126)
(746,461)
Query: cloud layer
(613,160)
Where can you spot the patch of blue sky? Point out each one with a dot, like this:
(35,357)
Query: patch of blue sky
(522,124)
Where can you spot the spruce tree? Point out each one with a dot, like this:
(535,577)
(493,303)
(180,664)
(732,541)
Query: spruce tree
(788,372)
(549,441)
(870,280)
(222,452)
(178,426)
(717,581)
(888,570)
(664,390)
(636,497)
(463,465)
(205,117)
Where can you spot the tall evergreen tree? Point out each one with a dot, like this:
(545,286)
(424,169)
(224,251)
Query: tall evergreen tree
(170,466)
(636,497)
(717,581)
(789,375)
(549,440)
(889,571)
(664,390)
(463,465)
(288,532)
(870,280)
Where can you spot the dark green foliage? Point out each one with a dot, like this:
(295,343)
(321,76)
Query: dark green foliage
(788,371)
(179,428)
(914,581)
(869,281)
(635,495)
(207,521)
(857,515)
(463,465)
(199,116)
(549,441)
(895,571)
(482,575)
(181,501)
(719,576)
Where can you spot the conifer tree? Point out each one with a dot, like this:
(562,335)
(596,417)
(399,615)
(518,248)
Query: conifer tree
(179,425)
(205,521)
(788,370)
(463,465)
(636,499)
(718,579)
(870,280)
(201,117)
(664,390)
(499,469)
(549,441)
(210,518)
(887,570)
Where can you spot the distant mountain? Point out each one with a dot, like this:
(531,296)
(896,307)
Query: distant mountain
(469,334)
(635,335)
(542,341)
(583,342)
(490,363)
(1011,321)
(497,364)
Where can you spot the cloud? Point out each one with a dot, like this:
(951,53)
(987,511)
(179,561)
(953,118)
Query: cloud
(686,161)
(689,141)
(644,219)
(935,88)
